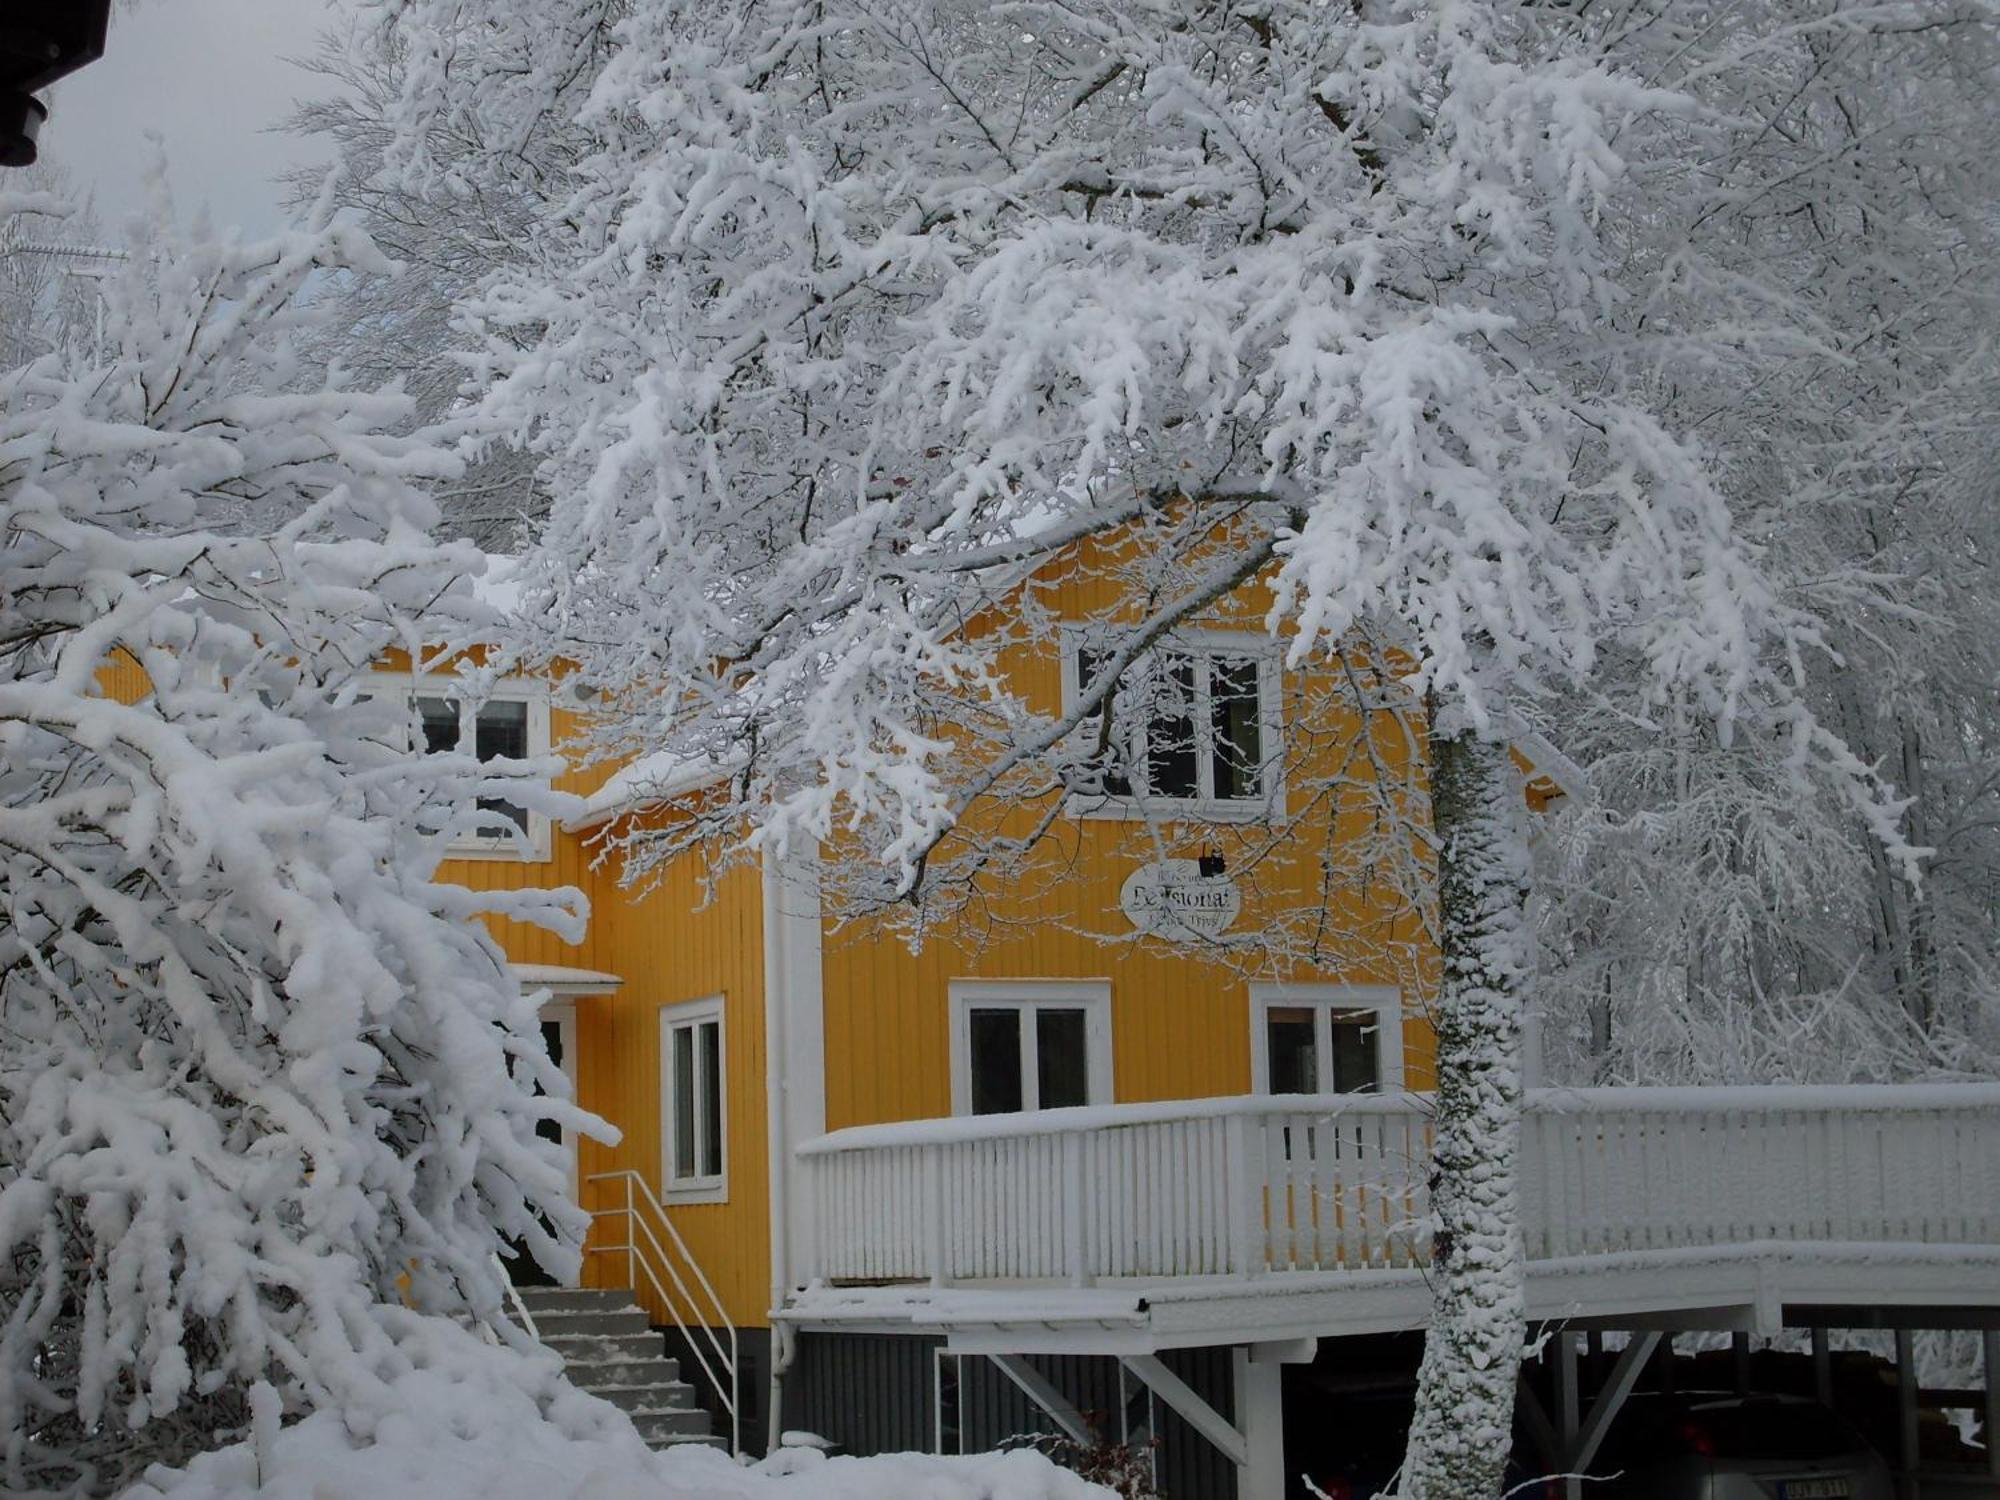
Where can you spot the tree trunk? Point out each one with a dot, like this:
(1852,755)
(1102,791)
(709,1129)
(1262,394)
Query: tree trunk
(1472,1354)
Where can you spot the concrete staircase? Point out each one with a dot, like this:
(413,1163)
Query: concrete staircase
(610,1350)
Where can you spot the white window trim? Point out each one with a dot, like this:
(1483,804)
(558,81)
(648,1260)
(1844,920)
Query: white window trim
(537,846)
(563,1013)
(1270,712)
(699,1189)
(1384,1000)
(1093,995)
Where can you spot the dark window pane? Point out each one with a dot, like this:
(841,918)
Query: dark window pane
(1288,1038)
(711,1098)
(501,732)
(1357,1051)
(995,1037)
(440,720)
(683,1039)
(1238,750)
(1062,1064)
(1116,781)
(1171,761)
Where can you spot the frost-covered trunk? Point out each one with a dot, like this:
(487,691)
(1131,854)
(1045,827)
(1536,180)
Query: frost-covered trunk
(1472,1354)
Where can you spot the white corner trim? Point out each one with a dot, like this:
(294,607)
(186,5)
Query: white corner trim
(1385,1000)
(1094,995)
(794,1054)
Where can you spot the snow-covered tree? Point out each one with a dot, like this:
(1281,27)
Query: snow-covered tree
(260,1076)
(1712,916)
(859,318)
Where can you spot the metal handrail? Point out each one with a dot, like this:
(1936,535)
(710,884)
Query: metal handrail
(706,1314)
(514,1299)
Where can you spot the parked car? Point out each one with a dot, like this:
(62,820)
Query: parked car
(1701,1445)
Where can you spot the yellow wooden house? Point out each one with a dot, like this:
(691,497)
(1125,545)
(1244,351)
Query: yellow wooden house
(1085,1165)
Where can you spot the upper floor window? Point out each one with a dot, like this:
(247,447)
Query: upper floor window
(497,729)
(511,723)
(1192,725)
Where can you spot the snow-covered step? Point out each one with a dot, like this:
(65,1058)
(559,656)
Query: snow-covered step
(592,1350)
(597,1323)
(660,1395)
(610,1349)
(659,1428)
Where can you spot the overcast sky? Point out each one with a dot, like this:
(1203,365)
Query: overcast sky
(210,77)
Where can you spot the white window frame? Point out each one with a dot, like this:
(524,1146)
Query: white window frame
(1092,996)
(563,1014)
(536,846)
(700,1188)
(1324,999)
(1204,645)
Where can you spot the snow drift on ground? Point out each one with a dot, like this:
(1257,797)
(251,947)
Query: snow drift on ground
(475,1422)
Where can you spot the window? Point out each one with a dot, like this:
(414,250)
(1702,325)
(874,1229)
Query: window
(1029,1045)
(495,730)
(511,724)
(691,1111)
(1325,1039)
(1195,725)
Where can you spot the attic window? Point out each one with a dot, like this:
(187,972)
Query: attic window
(497,729)
(1195,726)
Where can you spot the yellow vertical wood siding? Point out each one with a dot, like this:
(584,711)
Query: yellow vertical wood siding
(1180,1023)
(668,942)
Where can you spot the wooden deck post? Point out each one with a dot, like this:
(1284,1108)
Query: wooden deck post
(1906,1413)
(1990,1351)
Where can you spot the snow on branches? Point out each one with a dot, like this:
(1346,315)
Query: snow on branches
(855,315)
(258,1072)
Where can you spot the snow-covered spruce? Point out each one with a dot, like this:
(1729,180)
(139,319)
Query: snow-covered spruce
(258,1072)
(856,320)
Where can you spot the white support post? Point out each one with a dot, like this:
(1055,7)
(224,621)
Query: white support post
(1990,1348)
(1260,1416)
(1822,1366)
(1567,1412)
(1246,1212)
(1906,1412)
(1073,1199)
(934,1227)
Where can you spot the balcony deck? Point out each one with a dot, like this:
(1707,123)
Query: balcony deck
(1153,1225)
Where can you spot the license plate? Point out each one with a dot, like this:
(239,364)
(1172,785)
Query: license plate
(1814,1489)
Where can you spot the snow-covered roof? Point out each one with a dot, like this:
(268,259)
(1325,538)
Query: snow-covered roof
(499,587)
(649,779)
(563,980)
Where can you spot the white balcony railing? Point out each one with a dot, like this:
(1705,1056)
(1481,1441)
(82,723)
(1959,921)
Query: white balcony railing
(1270,1185)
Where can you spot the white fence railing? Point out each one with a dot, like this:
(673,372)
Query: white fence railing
(1252,1185)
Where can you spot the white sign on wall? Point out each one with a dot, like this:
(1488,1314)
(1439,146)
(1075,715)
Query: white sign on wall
(1171,898)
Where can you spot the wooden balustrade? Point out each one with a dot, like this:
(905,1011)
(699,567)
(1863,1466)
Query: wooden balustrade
(1278,1184)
